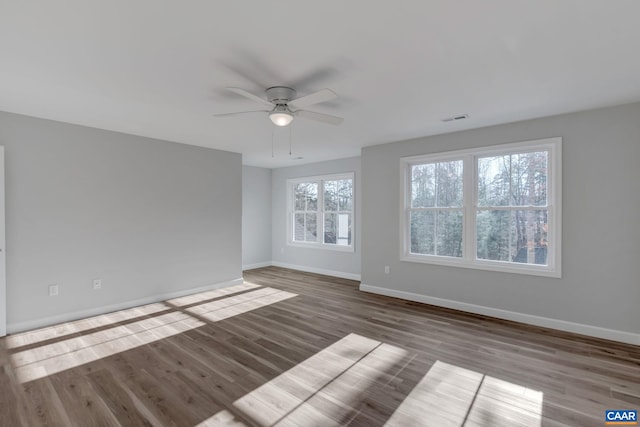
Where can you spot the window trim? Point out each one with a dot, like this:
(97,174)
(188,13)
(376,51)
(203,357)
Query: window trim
(319,244)
(470,204)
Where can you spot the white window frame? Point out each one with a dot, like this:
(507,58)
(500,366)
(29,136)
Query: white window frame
(470,203)
(319,243)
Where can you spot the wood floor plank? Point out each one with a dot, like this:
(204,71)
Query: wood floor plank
(124,406)
(12,403)
(81,400)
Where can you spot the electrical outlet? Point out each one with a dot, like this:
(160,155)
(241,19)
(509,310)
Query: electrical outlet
(97,284)
(53,290)
(386,269)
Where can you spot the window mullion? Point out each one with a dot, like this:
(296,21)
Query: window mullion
(435,228)
(470,198)
(550,235)
(510,208)
(445,209)
(320,213)
(511,218)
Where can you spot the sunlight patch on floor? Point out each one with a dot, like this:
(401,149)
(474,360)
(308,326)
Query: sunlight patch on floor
(63,329)
(449,395)
(48,359)
(215,293)
(500,402)
(235,305)
(68,328)
(332,379)
(223,418)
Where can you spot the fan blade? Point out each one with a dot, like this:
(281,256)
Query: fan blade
(313,98)
(320,117)
(239,113)
(249,95)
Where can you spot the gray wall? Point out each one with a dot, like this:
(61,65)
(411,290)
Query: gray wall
(148,217)
(256,217)
(600,285)
(345,264)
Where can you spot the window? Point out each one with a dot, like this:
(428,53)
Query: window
(494,208)
(321,211)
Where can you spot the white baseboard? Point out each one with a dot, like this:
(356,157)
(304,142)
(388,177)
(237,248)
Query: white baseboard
(333,273)
(305,268)
(563,325)
(257,265)
(13,328)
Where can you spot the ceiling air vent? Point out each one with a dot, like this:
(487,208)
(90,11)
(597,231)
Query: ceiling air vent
(456,118)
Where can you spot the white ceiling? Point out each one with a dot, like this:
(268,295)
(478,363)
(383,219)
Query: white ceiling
(158,68)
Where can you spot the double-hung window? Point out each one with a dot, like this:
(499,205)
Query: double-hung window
(493,208)
(321,211)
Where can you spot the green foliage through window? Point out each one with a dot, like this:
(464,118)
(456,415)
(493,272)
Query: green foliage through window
(488,208)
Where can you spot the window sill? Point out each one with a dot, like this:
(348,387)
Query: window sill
(497,266)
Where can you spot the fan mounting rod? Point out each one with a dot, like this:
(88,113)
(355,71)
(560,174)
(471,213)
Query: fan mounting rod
(280,94)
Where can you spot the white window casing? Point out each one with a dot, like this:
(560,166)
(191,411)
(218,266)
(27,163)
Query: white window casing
(541,257)
(338,238)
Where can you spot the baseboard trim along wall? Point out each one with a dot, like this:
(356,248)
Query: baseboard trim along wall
(578,328)
(333,273)
(13,328)
(304,268)
(256,265)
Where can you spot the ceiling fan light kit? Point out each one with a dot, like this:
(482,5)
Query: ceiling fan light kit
(285,106)
(281,115)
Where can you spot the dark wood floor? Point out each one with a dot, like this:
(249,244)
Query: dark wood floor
(298,349)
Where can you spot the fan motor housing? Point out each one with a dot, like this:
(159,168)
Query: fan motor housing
(280,94)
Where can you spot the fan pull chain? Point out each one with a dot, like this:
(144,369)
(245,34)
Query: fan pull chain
(290,143)
(273,130)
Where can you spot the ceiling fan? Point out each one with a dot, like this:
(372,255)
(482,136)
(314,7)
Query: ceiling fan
(284,106)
